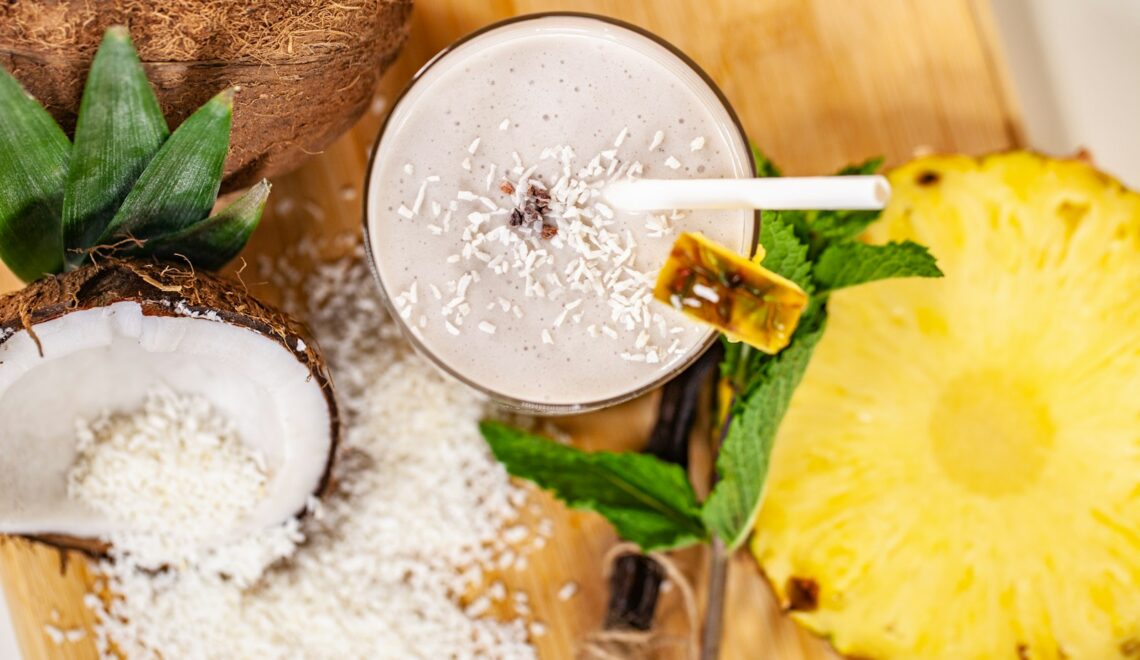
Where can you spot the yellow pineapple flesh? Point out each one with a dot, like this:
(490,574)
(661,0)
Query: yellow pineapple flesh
(959,473)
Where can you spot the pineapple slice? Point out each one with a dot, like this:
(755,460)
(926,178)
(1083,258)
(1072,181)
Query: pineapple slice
(959,473)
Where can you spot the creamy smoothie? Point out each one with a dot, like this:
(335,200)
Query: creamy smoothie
(487,226)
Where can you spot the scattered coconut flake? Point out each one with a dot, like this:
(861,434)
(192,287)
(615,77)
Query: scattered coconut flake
(284,206)
(505,124)
(568,591)
(467,164)
(621,136)
(706,293)
(658,138)
(697,144)
(487,327)
(546,338)
(418,204)
(672,163)
(409,169)
(471,148)
(418,505)
(405,212)
(54,634)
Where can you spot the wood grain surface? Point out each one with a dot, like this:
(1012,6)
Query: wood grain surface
(817,84)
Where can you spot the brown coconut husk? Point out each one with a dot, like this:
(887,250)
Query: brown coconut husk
(307,68)
(164,289)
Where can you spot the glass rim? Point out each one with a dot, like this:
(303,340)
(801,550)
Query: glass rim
(513,403)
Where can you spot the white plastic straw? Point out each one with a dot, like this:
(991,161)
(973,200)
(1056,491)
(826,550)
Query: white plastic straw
(777,193)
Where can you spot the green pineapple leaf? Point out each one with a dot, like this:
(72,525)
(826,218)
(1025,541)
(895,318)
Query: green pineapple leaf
(179,186)
(213,242)
(33,166)
(119,131)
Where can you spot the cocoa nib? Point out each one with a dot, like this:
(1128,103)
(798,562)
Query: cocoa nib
(537,197)
(538,193)
(535,205)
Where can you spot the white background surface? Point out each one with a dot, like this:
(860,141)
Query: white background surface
(1073,67)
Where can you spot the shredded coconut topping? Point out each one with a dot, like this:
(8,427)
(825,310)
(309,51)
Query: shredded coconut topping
(549,231)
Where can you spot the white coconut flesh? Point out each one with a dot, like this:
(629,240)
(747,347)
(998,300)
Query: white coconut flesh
(108,359)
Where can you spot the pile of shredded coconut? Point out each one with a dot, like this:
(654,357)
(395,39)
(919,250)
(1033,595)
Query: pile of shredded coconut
(381,568)
(175,472)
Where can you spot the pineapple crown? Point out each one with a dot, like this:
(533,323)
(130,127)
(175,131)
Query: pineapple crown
(127,185)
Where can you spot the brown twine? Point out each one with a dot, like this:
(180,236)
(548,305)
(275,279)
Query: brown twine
(622,644)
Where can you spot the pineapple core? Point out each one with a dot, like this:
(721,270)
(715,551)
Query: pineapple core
(741,298)
(958,475)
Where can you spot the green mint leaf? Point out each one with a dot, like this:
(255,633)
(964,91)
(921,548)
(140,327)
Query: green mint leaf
(33,166)
(869,166)
(120,129)
(213,242)
(785,254)
(649,502)
(837,226)
(742,462)
(848,264)
(764,166)
(180,185)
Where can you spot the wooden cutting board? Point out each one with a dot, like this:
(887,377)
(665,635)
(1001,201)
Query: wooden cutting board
(817,84)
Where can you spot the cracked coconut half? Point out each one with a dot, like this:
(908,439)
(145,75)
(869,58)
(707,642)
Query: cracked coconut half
(114,233)
(958,475)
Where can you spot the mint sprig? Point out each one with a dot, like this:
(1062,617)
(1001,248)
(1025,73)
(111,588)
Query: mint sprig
(742,462)
(786,254)
(649,501)
(849,264)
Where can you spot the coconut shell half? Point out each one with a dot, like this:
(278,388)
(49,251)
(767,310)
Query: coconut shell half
(307,69)
(97,338)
